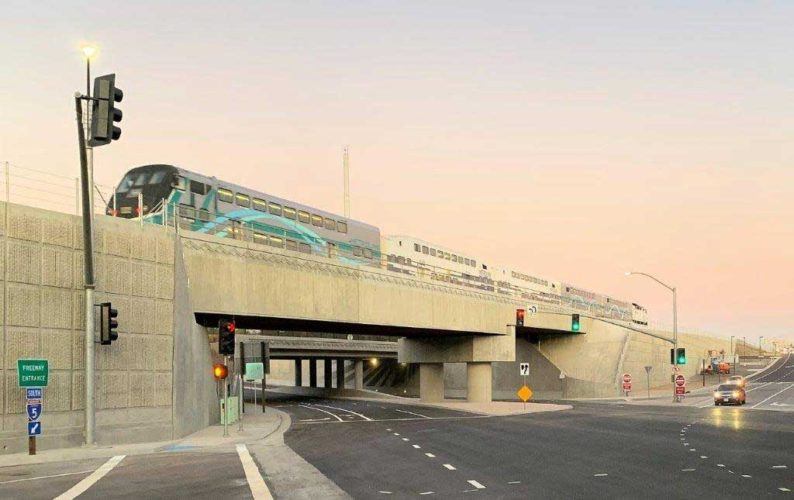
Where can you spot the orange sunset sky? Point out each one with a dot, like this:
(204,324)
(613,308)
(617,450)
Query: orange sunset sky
(571,140)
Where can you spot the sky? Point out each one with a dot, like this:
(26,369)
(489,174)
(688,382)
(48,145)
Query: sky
(570,140)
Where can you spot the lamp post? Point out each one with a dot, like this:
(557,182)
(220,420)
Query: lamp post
(675,317)
(89,51)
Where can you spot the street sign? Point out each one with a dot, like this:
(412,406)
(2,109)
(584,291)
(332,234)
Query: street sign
(34,428)
(34,411)
(254,371)
(648,368)
(525,393)
(33,372)
(626,381)
(680,385)
(523,369)
(33,393)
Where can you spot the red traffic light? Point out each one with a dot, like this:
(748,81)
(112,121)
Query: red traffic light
(220,371)
(520,317)
(230,326)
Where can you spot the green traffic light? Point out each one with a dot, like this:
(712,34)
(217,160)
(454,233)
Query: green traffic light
(575,323)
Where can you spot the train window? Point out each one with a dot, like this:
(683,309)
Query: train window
(407,262)
(186,211)
(225,195)
(391,258)
(243,200)
(304,247)
(157,177)
(417,248)
(260,238)
(401,260)
(432,252)
(195,187)
(203,215)
(275,241)
(330,224)
(292,245)
(317,220)
(425,250)
(179,182)
(341,227)
(260,205)
(357,251)
(367,253)
(289,213)
(304,216)
(274,208)
(473,263)
(140,180)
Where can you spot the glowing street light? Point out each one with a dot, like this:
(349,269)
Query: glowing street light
(88,51)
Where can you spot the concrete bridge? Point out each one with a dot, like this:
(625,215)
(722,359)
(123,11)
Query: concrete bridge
(155,382)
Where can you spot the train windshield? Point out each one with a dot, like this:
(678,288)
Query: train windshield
(151,183)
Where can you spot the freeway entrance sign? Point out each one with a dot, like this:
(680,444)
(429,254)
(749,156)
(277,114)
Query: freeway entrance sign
(33,372)
(34,429)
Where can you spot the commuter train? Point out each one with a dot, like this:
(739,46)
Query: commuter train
(209,205)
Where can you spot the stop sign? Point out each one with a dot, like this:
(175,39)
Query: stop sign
(626,378)
(680,381)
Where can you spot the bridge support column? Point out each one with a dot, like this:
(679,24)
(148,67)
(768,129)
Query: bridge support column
(298,372)
(431,382)
(340,373)
(312,373)
(359,369)
(480,382)
(327,373)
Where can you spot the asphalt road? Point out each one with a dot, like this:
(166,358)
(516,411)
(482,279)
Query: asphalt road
(592,451)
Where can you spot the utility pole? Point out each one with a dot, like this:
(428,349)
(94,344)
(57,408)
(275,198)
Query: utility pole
(346,168)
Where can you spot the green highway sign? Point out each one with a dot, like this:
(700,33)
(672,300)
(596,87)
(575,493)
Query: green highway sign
(254,371)
(33,372)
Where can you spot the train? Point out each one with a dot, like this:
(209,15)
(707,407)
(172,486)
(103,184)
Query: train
(167,194)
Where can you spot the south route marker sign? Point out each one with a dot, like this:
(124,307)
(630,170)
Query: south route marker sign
(33,372)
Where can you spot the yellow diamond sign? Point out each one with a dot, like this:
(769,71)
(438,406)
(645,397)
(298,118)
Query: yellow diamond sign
(525,393)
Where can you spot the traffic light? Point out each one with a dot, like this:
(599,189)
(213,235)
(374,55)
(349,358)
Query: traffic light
(107,323)
(520,317)
(678,358)
(575,323)
(220,371)
(104,113)
(226,336)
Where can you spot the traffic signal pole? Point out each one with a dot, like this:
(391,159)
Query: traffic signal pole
(88,253)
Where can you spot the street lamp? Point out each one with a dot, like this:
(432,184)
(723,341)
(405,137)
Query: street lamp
(675,314)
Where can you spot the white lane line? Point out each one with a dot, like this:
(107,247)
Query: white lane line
(388,430)
(406,439)
(687,470)
(430,455)
(692,449)
(348,411)
(772,396)
(87,482)
(703,456)
(784,489)
(427,492)
(514,482)
(450,466)
(416,446)
(476,484)
(746,475)
(385,492)
(258,487)
(600,475)
(326,412)
(46,477)
(412,413)
(779,466)
(396,433)
(314,419)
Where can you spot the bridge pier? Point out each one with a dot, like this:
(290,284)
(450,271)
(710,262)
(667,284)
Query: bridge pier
(431,382)
(312,372)
(298,372)
(327,373)
(479,382)
(340,373)
(359,375)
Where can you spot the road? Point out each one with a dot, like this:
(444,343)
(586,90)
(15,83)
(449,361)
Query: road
(594,450)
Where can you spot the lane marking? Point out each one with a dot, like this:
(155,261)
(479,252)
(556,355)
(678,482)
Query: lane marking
(388,430)
(430,455)
(427,492)
(687,470)
(780,466)
(412,413)
(258,487)
(326,412)
(746,475)
(406,439)
(784,489)
(416,446)
(314,419)
(396,433)
(449,466)
(692,449)
(476,484)
(703,456)
(348,411)
(514,482)
(760,376)
(385,492)
(720,465)
(600,475)
(87,482)
(772,396)
(46,477)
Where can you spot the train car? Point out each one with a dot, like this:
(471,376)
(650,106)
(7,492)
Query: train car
(209,205)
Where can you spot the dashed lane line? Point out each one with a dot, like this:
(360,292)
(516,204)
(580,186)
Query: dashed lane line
(772,396)
(514,482)
(476,484)
(324,411)
(430,455)
(450,466)
(416,446)
(780,467)
(406,439)
(784,489)
(257,485)
(602,474)
(348,411)
(427,493)
(411,413)
(687,470)
(87,482)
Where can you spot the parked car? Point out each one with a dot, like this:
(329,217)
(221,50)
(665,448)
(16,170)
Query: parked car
(730,394)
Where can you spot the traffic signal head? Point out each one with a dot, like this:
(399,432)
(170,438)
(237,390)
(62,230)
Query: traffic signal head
(226,329)
(575,323)
(681,356)
(107,324)
(104,112)
(220,371)
(520,317)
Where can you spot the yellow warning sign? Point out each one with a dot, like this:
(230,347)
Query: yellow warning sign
(525,393)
